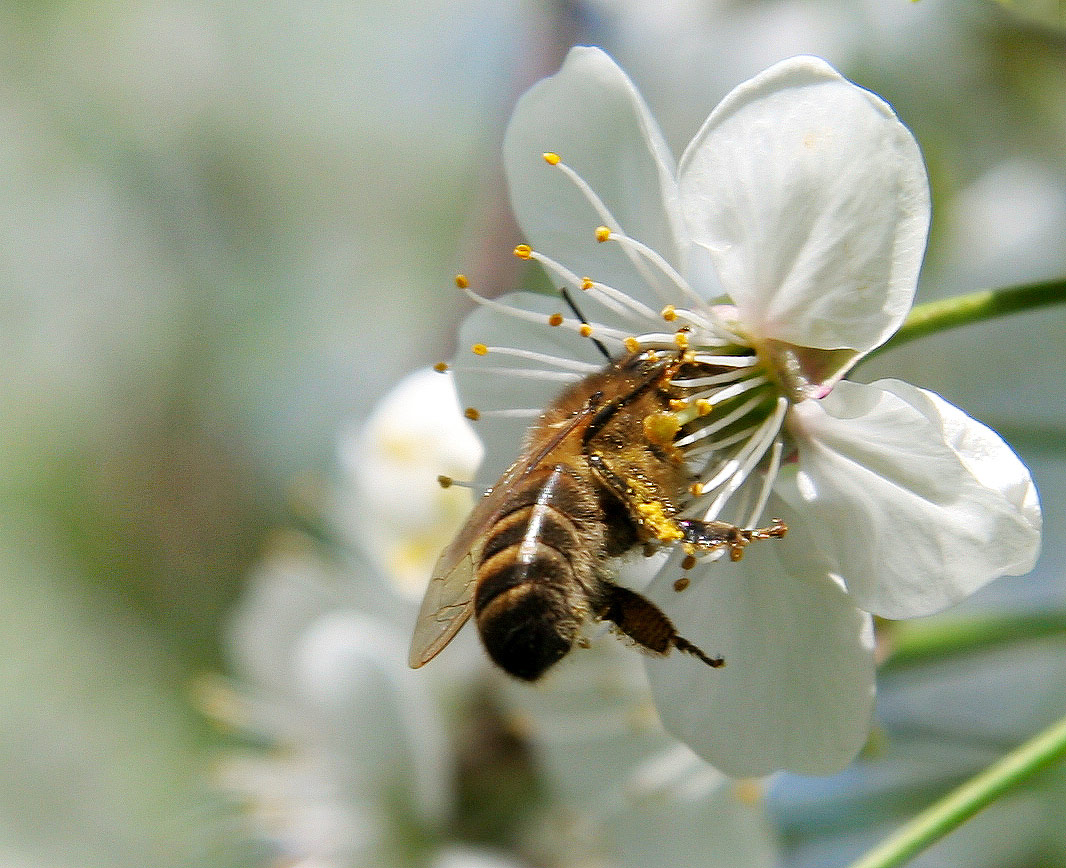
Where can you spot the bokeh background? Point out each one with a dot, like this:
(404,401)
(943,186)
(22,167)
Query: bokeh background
(227,228)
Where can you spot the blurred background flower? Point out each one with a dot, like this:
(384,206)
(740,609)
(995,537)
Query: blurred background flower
(228,228)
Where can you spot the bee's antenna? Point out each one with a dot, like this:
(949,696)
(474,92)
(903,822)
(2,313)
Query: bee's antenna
(565,293)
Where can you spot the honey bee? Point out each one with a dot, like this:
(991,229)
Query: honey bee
(593,481)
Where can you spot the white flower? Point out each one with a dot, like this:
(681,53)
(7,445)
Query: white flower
(785,246)
(396,509)
(354,732)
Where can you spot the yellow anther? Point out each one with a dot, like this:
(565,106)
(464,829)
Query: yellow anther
(445,481)
(551,159)
(703,406)
(461,281)
(523,251)
(678,404)
(681,339)
(661,427)
(479,350)
(585,331)
(632,345)
(603,233)
(681,584)
(586,283)
(556,319)
(688,562)
(441,367)
(669,313)
(472,414)
(695,489)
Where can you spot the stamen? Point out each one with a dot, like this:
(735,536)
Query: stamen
(441,367)
(767,483)
(766,435)
(721,422)
(643,312)
(450,482)
(527,373)
(715,447)
(558,361)
(612,230)
(690,316)
(741,361)
(610,298)
(722,395)
(604,332)
(667,270)
(514,413)
(712,380)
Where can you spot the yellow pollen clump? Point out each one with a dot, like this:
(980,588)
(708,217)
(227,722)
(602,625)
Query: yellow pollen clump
(661,427)
(461,281)
(479,349)
(678,404)
(586,283)
(523,251)
(551,159)
(441,367)
(681,584)
(695,489)
(585,331)
(669,313)
(631,344)
(703,406)
(681,339)
(472,414)
(602,233)
(556,319)
(445,481)
(688,562)
(654,516)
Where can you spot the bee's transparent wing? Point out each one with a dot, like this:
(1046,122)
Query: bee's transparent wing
(447,605)
(449,599)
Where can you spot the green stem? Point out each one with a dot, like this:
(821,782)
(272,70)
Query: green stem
(919,641)
(961,804)
(935,316)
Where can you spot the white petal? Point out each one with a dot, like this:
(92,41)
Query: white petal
(796,691)
(917,504)
(591,115)
(812,199)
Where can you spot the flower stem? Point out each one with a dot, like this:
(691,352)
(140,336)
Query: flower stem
(935,316)
(961,804)
(917,642)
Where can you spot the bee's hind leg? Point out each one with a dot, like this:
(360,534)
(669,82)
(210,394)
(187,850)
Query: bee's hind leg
(646,624)
(707,536)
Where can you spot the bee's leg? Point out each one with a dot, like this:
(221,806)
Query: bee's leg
(710,535)
(648,506)
(646,624)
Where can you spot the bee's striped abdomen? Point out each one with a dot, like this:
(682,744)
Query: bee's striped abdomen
(534,572)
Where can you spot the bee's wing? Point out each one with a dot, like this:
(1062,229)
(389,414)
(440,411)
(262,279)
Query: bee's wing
(449,599)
